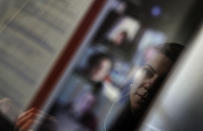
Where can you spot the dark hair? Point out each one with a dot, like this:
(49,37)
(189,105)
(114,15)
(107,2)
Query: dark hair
(171,50)
(96,58)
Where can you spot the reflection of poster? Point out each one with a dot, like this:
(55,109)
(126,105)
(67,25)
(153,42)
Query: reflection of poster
(33,33)
(127,27)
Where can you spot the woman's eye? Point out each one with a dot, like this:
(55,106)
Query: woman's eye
(148,73)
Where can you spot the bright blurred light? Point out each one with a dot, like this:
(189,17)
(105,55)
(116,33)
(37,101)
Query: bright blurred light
(156,11)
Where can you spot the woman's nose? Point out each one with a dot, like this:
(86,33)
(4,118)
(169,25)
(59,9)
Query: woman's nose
(150,82)
(142,92)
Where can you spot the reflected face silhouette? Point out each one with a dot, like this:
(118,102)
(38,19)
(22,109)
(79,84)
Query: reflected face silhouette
(156,68)
(99,72)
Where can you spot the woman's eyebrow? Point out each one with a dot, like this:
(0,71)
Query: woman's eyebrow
(151,68)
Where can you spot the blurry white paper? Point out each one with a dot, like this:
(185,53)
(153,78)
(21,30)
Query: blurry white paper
(33,33)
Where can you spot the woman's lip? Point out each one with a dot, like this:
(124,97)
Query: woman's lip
(141,100)
(142,96)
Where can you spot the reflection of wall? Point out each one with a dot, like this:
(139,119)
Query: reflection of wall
(171,18)
(191,23)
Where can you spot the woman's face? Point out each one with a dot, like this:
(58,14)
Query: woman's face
(156,68)
(99,72)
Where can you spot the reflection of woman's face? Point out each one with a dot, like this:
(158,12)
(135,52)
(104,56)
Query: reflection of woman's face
(99,72)
(120,38)
(156,67)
